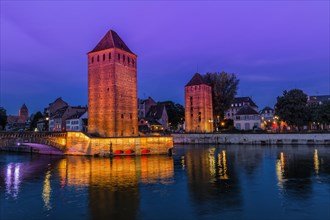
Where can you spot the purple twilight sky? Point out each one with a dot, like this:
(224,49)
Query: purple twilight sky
(270,45)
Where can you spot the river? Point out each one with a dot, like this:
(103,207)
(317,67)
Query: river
(196,182)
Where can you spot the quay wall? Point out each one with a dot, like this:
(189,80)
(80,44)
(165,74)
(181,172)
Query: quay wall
(252,139)
(79,143)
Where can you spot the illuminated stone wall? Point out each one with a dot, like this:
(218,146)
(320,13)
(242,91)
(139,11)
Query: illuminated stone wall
(198,108)
(80,144)
(112,93)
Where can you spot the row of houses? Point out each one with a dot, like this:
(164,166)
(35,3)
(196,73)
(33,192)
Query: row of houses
(60,116)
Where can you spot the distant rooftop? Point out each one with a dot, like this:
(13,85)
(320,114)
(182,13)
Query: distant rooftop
(111,40)
(246,110)
(244,100)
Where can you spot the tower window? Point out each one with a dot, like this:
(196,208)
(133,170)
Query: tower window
(122,115)
(108,89)
(98,58)
(109,56)
(128,60)
(118,56)
(92,59)
(133,61)
(130,116)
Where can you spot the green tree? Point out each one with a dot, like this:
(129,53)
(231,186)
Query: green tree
(3,118)
(224,89)
(35,120)
(292,107)
(175,113)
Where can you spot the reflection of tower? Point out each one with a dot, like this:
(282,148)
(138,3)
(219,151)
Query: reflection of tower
(211,178)
(23,114)
(112,88)
(113,185)
(198,105)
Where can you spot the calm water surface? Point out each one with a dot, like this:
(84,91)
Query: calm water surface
(197,182)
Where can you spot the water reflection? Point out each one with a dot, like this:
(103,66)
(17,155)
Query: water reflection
(213,182)
(46,191)
(295,170)
(113,184)
(13,179)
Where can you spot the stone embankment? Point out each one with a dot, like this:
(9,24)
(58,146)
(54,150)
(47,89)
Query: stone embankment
(254,139)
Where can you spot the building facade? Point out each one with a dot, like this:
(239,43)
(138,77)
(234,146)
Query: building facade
(57,122)
(77,122)
(247,118)
(237,104)
(112,88)
(198,105)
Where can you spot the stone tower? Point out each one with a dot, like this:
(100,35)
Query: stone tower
(112,88)
(23,114)
(198,105)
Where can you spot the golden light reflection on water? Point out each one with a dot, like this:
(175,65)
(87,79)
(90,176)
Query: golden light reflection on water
(316,162)
(46,191)
(117,172)
(222,163)
(280,165)
(212,163)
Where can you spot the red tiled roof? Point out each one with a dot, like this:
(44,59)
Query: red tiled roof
(111,40)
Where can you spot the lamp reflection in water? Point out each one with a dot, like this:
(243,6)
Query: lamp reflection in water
(280,164)
(316,162)
(46,191)
(13,179)
(222,163)
(212,164)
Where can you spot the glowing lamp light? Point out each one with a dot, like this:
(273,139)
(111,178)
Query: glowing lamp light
(129,151)
(145,151)
(118,152)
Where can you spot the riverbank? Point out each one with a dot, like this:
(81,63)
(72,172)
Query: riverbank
(254,139)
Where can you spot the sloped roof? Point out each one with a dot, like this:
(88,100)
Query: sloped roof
(59,112)
(76,116)
(59,99)
(197,79)
(244,100)
(111,40)
(24,106)
(246,110)
(267,108)
(156,111)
